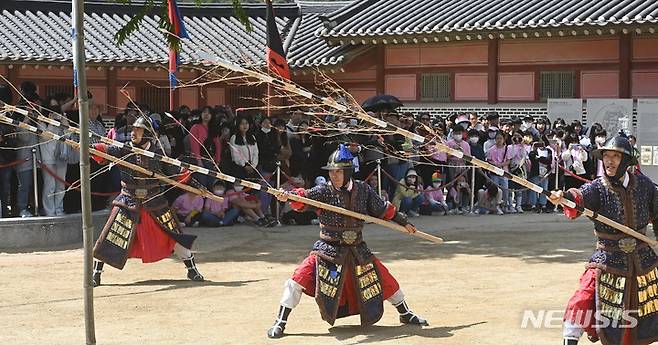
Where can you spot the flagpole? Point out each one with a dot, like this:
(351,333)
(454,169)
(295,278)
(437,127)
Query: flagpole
(87,224)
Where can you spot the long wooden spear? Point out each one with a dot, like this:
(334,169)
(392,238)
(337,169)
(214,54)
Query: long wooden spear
(568,203)
(228,178)
(292,87)
(76,145)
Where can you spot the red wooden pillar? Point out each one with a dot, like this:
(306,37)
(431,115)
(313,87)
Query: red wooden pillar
(112,100)
(625,59)
(492,71)
(381,69)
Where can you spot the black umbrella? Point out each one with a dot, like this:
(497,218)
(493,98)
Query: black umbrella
(381,102)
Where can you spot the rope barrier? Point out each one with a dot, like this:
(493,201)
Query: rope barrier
(69,184)
(572,174)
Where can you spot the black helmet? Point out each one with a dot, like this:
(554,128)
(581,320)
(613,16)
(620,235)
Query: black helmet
(619,144)
(145,123)
(341,159)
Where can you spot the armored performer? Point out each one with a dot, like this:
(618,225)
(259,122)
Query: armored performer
(617,301)
(341,272)
(141,223)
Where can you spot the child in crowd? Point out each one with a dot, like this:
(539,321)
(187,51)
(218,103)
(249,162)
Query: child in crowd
(434,199)
(459,196)
(408,196)
(188,207)
(490,197)
(250,206)
(374,183)
(217,213)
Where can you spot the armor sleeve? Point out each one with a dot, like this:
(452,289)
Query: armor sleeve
(114,151)
(376,206)
(296,205)
(401,219)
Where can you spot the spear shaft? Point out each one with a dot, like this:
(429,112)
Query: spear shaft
(229,178)
(538,189)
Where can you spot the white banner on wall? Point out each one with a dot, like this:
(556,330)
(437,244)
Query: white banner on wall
(613,114)
(568,109)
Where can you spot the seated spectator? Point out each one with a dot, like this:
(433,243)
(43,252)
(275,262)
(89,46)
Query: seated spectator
(408,196)
(434,199)
(373,181)
(293,217)
(215,213)
(489,200)
(188,207)
(459,196)
(249,206)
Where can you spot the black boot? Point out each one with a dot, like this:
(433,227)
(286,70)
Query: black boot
(276,331)
(570,342)
(192,273)
(98,269)
(407,316)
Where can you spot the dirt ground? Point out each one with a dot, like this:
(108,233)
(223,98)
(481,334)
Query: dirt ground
(473,289)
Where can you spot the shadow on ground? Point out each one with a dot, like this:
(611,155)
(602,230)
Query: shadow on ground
(531,238)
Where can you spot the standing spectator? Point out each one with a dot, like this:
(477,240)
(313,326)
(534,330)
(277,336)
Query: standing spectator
(205,146)
(499,156)
(574,159)
(408,197)
(540,167)
(518,167)
(26,141)
(244,150)
(7,155)
(54,157)
(491,138)
(101,183)
(457,165)
(269,147)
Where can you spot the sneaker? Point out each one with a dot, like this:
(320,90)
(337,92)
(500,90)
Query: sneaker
(315,221)
(262,222)
(240,220)
(511,210)
(519,209)
(413,213)
(25,214)
(499,211)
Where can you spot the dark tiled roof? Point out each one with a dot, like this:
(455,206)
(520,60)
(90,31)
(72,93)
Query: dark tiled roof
(308,49)
(33,30)
(373,18)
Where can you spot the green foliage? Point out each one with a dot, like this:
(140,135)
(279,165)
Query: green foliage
(159,7)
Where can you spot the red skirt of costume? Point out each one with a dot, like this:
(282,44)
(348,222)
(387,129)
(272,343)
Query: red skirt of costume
(581,309)
(305,273)
(151,243)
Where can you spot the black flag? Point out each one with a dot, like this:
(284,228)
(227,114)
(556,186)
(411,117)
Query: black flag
(276,57)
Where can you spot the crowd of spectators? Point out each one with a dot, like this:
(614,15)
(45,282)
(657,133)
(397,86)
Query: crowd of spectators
(417,177)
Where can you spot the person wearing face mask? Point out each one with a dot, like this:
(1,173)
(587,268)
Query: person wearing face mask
(215,213)
(474,141)
(250,206)
(518,167)
(456,165)
(434,198)
(500,156)
(269,147)
(599,140)
(540,167)
(574,158)
(491,139)
(408,196)
(616,300)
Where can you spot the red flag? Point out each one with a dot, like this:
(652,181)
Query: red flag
(276,57)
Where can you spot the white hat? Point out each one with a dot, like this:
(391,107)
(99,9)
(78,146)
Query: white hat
(320,181)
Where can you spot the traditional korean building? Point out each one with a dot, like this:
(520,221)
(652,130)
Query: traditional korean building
(437,56)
